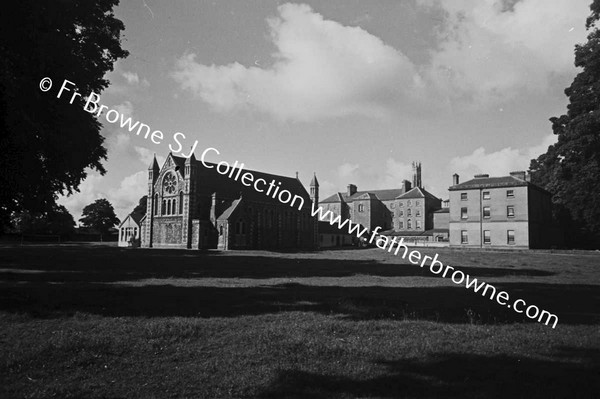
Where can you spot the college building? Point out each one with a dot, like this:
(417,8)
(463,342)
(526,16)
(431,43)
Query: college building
(192,205)
(507,211)
(406,212)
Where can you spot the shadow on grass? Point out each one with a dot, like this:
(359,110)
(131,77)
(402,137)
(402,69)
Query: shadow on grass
(106,264)
(573,304)
(455,375)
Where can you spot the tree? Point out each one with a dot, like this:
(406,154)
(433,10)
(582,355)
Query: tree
(141,207)
(47,143)
(57,221)
(570,169)
(99,216)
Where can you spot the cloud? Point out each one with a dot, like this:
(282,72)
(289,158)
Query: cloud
(131,77)
(123,198)
(321,69)
(146,156)
(490,51)
(369,177)
(498,163)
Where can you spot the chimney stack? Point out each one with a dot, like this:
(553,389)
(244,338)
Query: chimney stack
(351,189)
(520,174)
(455,179)
(481,176)
(406,186)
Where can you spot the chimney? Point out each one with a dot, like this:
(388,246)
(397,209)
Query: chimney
(520,174)
(406,186)
(351,189)
(455,179)
(481,176)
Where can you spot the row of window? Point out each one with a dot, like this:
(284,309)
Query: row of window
(169,205)
(408,203)
(486,195)
(487,237)
(510,212)
(418,224)
(409,212)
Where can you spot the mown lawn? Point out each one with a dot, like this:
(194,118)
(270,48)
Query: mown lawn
(82,321)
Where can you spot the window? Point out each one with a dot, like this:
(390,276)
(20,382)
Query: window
(486,195)
(239,227)
(169,183)
(401,204)
(409,212)
(463,213)
(409,224)
(418,225)
(361,208)
(487,238)
(400,212)
(181,202)
(510,211)
(401,224)
(486,212)
(510,237)
(418,202)
(163,208)
(418,212)
(510,193)
(463,196)
(464,237)
(409,203)
(156,204)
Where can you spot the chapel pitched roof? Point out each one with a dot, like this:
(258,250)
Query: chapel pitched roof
(227,213)
(210,181)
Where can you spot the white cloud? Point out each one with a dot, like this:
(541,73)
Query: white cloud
(498,163)
(322,69)
(123,198)
(367,177)
(131,77)
(146,156)
(489,52)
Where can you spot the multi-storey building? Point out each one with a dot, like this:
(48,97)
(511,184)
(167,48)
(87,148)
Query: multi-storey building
(506,211)
(406,211)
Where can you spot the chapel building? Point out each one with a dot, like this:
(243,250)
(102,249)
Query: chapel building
(193,206)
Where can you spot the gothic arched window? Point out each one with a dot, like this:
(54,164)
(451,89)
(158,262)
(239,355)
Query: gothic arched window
(155,204)
(181,202)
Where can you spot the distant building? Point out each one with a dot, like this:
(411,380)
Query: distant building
(406,211)
(191,205)
(332,236)
(130,230)
(507,211)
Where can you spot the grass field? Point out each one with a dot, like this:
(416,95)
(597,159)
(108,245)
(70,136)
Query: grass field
(100,321)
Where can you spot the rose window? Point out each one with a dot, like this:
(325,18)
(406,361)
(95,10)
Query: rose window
(169,184)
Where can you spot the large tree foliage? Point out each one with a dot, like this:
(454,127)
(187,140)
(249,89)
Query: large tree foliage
(99,216)
(56,221)
(141,207)
(570,169)
(46,143)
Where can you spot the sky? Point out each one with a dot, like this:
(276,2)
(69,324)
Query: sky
(354,91)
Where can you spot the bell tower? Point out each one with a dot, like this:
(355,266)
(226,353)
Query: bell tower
(152,202)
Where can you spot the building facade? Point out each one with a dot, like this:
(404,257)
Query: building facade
(406,211)
(507,211)
(130,231)
(192,205)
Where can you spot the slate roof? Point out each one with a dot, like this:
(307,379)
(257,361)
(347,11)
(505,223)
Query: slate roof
(227,213)
(417,192)
(210,181)
(490,182)
(443,210)
(382,195)
(135,216)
